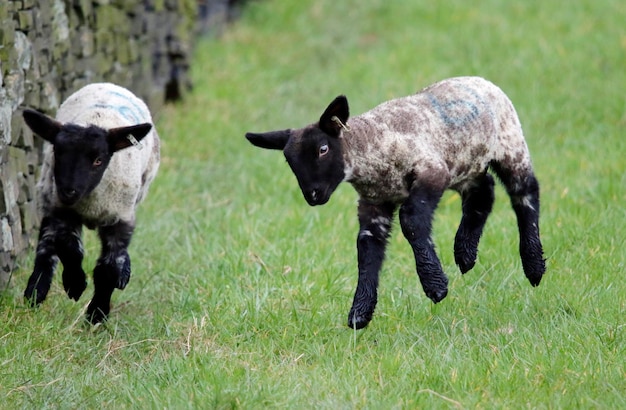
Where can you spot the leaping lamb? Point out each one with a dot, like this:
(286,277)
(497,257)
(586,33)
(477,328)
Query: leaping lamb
(405,153)
(102,154)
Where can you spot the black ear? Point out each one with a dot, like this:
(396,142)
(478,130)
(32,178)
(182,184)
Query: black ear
(270,140)
(339,109)
(42,125)
(119,138)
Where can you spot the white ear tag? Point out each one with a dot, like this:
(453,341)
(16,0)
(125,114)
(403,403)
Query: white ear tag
(134,141)
(336,119)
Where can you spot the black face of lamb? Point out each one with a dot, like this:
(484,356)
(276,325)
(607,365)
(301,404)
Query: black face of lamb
(314,153)
(81,155)
(316,160)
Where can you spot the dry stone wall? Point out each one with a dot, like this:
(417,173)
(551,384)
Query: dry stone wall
(51,48)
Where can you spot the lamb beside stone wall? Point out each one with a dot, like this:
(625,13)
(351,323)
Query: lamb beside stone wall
(102,155)
(405,153)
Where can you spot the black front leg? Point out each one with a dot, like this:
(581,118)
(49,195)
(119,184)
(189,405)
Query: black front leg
(59,238)
(416,215)
(112,269)
(69,247)
(45,262)
(375,227)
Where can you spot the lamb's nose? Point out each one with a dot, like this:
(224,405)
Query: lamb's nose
(68,195)
(68,192)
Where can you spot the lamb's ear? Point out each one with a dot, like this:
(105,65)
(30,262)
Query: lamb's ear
(335,117)
(270,140)
(42,125)
(120,138)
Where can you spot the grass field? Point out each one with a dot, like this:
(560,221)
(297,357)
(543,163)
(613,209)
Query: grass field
(240,291)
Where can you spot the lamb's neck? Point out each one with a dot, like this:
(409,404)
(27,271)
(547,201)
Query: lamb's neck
(375,163)
(359,145)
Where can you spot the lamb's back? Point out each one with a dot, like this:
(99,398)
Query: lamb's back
(444,135)
(103,104)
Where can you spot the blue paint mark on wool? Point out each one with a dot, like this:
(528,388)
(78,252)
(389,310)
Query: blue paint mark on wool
(128,109)
(456,112)
(124,111)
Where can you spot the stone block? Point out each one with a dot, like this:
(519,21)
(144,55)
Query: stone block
(82,43)
(49,96)
(25,21)
(21,135)
(111,18)
(104,41)
(84,11)
(15,223)
(5,7)
(23,49)
(60,28)
(29,4)
(43,14)
(9,190)
(31,92)
(30,220)
(7,32)
(6,236)
(14,86)
(5,119)
(39,21)
(3,207)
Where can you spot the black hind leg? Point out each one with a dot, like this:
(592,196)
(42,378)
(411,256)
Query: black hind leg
(524,193)
(477,205)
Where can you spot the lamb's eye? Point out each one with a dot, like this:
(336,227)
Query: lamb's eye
(323,150)
(97,162)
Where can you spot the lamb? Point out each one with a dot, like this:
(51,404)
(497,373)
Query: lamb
(102,156)
(405,153)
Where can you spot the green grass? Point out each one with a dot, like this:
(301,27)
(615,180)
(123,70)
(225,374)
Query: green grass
(240,291)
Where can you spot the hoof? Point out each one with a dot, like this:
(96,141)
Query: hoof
(97,314)
(34,297)
(124,275)
(32,301)
(438,295)
(534,271)
(74,283)
(465,259)
(75,290)
(535,280)
(465,267)
(358,321)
